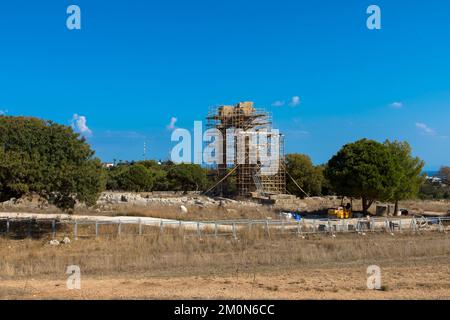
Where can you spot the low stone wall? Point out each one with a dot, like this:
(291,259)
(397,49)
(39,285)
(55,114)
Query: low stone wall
(292,203)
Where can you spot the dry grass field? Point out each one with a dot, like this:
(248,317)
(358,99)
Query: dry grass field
(229,211)
(195,213)
(170,267)
(177,266)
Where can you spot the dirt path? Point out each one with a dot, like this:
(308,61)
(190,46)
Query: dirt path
(191,225)
(419,282)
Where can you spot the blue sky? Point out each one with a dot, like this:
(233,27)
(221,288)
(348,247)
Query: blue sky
(136,64)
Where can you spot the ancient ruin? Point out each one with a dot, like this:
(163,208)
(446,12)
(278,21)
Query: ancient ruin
(246,121)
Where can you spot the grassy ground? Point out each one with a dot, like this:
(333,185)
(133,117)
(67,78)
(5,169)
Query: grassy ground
(415,266)
(195,213)
(168,211)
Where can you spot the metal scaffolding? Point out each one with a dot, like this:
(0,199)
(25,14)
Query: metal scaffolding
(239,126)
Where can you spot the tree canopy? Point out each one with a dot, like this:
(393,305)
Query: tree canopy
(407,177)
(444,174)
(363,169)
(187,177)
(135,178)
(142,176)
(42,157)
(374,171)
(148,175)
(305,174)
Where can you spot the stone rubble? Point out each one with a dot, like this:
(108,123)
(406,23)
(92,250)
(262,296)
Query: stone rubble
(112,200)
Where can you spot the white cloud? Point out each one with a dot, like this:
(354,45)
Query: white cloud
(79,123)
(295,101)
(171,125)
(396,105)
(278,103)
(3,112)
(425,129)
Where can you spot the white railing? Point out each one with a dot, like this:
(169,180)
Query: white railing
(38,227)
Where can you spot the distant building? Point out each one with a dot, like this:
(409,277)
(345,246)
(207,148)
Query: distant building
(437,181)
(108,165)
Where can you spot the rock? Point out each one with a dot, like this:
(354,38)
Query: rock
(140,202)
(54,242)
(183,209)
(66,240)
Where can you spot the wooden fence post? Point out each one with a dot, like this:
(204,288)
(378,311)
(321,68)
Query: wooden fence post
(7,226)
(140,226)
(441,225)
(75,230)
(29,228)
(53,229)
(96,229)
(119,229)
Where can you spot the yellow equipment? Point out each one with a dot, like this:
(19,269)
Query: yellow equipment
(341,212)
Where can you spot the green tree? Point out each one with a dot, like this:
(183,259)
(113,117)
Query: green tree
(154,177)
(226,188)
(159,172)
(305,174)
(113,174)
(135,177)
(187,177)
(42,157)
(434,190)
(326,187)
(444,174)
(363,169)
(408,176)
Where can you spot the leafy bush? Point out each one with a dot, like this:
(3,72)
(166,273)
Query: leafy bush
(49,159)
(363,169)
(187,177)
(305,174)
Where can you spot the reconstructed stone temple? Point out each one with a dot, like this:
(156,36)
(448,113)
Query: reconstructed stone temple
(252,177)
